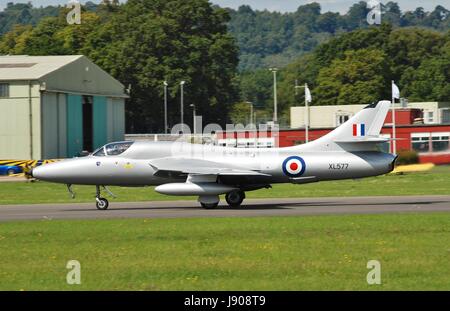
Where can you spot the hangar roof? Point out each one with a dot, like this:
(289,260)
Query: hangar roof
(25,67)
(67,74)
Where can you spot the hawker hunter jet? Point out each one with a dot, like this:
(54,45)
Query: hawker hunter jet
(206,171)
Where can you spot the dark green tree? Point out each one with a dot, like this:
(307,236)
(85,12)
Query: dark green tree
(148,42)
(392,13)
(360,78)
(431,81)
(356,16)
(409,47)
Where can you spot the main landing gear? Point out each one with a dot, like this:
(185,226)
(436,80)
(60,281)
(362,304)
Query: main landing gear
(102,203)
(209,201)
(233,198)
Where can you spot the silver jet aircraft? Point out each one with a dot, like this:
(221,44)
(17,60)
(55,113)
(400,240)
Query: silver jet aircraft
(183,169)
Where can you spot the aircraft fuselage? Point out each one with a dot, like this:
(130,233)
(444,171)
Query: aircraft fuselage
(283,165)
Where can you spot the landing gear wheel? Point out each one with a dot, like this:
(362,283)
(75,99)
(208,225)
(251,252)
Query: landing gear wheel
(102,204)
(209,205)
(235,198)
(209,201)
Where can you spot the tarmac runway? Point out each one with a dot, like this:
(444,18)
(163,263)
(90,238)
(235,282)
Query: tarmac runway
(251,208)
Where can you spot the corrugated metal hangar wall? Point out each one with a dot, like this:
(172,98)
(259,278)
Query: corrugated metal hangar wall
(57,106)
(62,123)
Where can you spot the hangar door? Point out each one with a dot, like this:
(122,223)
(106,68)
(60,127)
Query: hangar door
(54,129)
(86,123)
(74,125)
(99,114)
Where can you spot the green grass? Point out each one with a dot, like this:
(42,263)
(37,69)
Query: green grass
(279,253)
(434,182)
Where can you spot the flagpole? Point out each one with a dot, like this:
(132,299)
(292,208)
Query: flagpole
(394,134)
(306,115)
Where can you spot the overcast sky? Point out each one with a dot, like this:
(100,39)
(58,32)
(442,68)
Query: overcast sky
(282,5)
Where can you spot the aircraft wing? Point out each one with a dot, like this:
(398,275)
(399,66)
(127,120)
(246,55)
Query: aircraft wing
(181,166)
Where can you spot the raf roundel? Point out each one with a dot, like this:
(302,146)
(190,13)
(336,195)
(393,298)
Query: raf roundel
(294,166)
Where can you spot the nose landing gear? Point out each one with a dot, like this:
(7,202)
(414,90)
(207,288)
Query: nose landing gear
(102,203)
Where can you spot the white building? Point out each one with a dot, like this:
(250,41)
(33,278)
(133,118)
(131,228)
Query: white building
(333,116)
(434,112)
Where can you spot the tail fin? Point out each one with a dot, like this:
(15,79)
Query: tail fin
(359,133)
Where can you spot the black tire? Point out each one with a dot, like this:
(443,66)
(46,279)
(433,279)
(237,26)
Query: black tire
(102,204)
(209,205)
(235,198)
(10,172)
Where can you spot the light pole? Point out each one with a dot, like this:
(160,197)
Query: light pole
(275,99)
(194,121)
(182,101)
(166,128)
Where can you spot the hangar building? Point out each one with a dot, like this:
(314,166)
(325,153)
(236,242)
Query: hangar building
(57,106)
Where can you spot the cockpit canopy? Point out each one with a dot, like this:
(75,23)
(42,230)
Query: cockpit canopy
(112,149)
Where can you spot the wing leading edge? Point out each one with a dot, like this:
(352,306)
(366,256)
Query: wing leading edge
(180,166)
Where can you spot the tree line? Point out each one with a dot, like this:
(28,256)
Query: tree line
(267,38)
(357,68)
(144,43)
(276,39)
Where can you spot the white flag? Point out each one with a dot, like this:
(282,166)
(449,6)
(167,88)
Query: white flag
(395,91)
(308,95)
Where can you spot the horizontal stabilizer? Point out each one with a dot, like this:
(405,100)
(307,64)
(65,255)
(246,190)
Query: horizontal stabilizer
(376,140)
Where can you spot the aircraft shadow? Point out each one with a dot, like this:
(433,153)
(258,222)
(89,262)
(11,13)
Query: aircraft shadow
(186,208)
(259,206)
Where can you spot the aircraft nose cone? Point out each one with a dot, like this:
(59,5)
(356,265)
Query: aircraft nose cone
(38,172)
(48,172)
(71,171)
